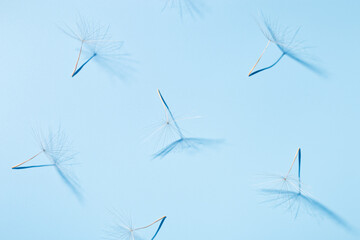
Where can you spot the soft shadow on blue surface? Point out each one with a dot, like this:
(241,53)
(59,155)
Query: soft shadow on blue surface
(185,143)
(297,199)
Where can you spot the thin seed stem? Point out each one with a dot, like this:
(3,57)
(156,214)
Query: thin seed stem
(252,69)
(28,160)
(157,231)
(79,69)
(150,224)
(77,61)
(292,164)
(171,115)
(164,105)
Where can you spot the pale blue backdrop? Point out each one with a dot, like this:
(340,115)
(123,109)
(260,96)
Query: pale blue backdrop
(200,64)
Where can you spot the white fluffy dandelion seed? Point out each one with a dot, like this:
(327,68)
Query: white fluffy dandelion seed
(292,195)
(55,146)
(181,142)
(126,231)
(97,45)
(285,39)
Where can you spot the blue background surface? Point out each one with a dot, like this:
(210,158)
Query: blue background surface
(200,64)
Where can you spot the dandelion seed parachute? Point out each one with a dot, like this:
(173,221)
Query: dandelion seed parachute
(96,44)
(182,142)
(288,181)
(165,128)
(168,129)
(296,197)
(284,39)
(128,232)
(56,148)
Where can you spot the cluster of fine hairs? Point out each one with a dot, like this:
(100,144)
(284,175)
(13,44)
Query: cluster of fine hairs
(124,230)
(96,45)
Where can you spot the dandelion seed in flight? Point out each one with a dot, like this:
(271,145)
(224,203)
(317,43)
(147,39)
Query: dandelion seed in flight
(97,45)
(126,231)
(285,40)
(181,142)
(292,195)
(55,147)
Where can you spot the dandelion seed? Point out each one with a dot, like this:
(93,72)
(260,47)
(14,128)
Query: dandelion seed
(122,231)
(56,148)
(182,142)
(168,129)
(284,39)
(165,130)
(96,44)
(287,181)
(295,198)
(191,7)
